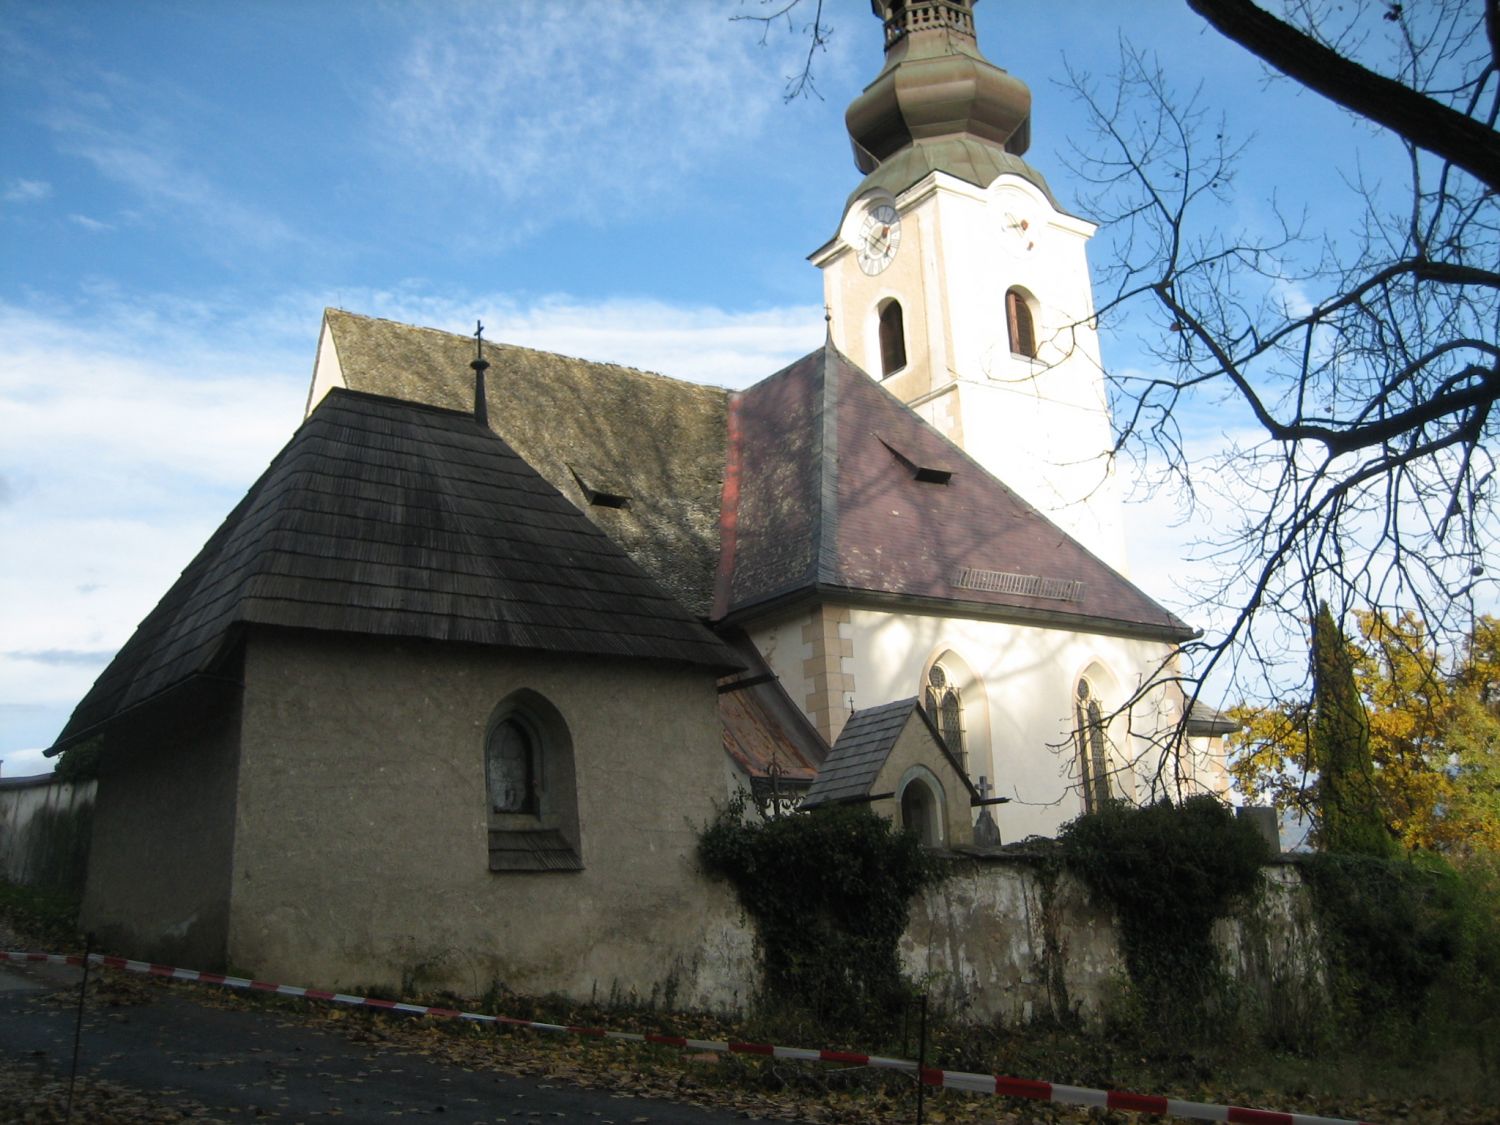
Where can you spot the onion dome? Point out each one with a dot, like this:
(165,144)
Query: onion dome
(938,104)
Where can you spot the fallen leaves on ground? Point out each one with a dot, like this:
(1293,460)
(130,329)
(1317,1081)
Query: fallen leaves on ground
(761,1088)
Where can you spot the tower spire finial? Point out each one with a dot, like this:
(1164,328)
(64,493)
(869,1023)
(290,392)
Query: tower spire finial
(480,366)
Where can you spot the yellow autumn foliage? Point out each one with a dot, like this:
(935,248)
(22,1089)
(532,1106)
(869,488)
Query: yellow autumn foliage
(1434,737)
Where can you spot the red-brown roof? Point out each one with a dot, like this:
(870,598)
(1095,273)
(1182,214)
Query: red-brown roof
(762,726)
(826,494)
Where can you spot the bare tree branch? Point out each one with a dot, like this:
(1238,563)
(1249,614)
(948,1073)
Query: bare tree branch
(1423,122)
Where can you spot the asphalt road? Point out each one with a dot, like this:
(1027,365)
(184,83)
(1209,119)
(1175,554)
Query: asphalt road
(249,1063)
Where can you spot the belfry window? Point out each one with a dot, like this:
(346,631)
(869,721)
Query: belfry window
(1093,752)
(1020,323)
(892,339)
(946,711)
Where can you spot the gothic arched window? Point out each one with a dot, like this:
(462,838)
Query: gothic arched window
(946,710)
(1093,751)
(1020,323)
(892,339)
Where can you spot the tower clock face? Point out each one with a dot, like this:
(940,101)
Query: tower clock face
(879,238)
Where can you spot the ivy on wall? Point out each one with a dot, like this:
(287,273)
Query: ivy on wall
(1170,872)
(829,892)
(1413,947)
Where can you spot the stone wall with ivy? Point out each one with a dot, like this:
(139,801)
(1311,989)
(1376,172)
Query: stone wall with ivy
(1016,938)
(1170,922)
(45,825)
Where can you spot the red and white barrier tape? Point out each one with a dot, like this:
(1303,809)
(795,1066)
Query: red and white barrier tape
(929,1076)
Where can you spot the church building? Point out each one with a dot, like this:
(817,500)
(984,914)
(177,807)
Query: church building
(451,688)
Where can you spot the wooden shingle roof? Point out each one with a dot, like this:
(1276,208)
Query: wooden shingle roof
(849,772)
(396,519)
(586,427)
(837,488)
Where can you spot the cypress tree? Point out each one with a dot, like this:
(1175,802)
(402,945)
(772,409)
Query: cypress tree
(1340,749)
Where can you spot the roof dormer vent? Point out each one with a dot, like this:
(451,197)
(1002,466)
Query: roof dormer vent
(925,474)
(599,497)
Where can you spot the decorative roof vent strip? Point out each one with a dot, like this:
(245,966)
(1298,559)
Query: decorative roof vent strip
(1026,585)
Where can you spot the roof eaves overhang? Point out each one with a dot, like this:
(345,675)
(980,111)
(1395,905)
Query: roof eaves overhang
(1047,617)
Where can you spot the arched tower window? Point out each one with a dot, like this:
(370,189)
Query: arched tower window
(1020,323)
(892,338)
(1093,749)
(946,710)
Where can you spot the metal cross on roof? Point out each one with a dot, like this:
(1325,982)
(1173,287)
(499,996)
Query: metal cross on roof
(480,364)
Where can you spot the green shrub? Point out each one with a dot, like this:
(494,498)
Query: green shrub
(1170,872)
(829,892)
(1413,948)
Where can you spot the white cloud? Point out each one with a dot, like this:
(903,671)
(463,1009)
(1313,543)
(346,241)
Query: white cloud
(142,157)
(25,763)
(27,191)
(130,427)
(700,344)
(88,224)
(583,106)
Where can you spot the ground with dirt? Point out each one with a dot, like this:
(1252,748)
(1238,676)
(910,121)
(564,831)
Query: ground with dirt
(157,1051)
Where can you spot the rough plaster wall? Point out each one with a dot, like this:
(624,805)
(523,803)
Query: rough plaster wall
(993,943)
(1277,951)
(30,834)
(158,879)
(362,834)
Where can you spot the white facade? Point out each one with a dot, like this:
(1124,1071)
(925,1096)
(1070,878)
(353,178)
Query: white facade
(1040,423)
(1017,684)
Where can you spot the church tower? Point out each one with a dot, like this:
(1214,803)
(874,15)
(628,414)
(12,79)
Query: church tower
(957,280)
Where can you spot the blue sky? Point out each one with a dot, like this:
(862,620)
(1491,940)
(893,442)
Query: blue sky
(185,186)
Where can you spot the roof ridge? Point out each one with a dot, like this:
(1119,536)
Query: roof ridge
(501,345)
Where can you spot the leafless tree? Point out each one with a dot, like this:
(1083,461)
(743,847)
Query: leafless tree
(1364,363)
(768,14)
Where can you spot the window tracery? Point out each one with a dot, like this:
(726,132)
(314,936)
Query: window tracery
(1093,749)
(945,708)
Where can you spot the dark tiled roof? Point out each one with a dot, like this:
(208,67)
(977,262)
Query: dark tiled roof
(762,725)
(824,496)
(612,429)
(861,750)
(1207,722)
(396,519)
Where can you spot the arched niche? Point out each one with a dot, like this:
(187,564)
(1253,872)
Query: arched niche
(921,803)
